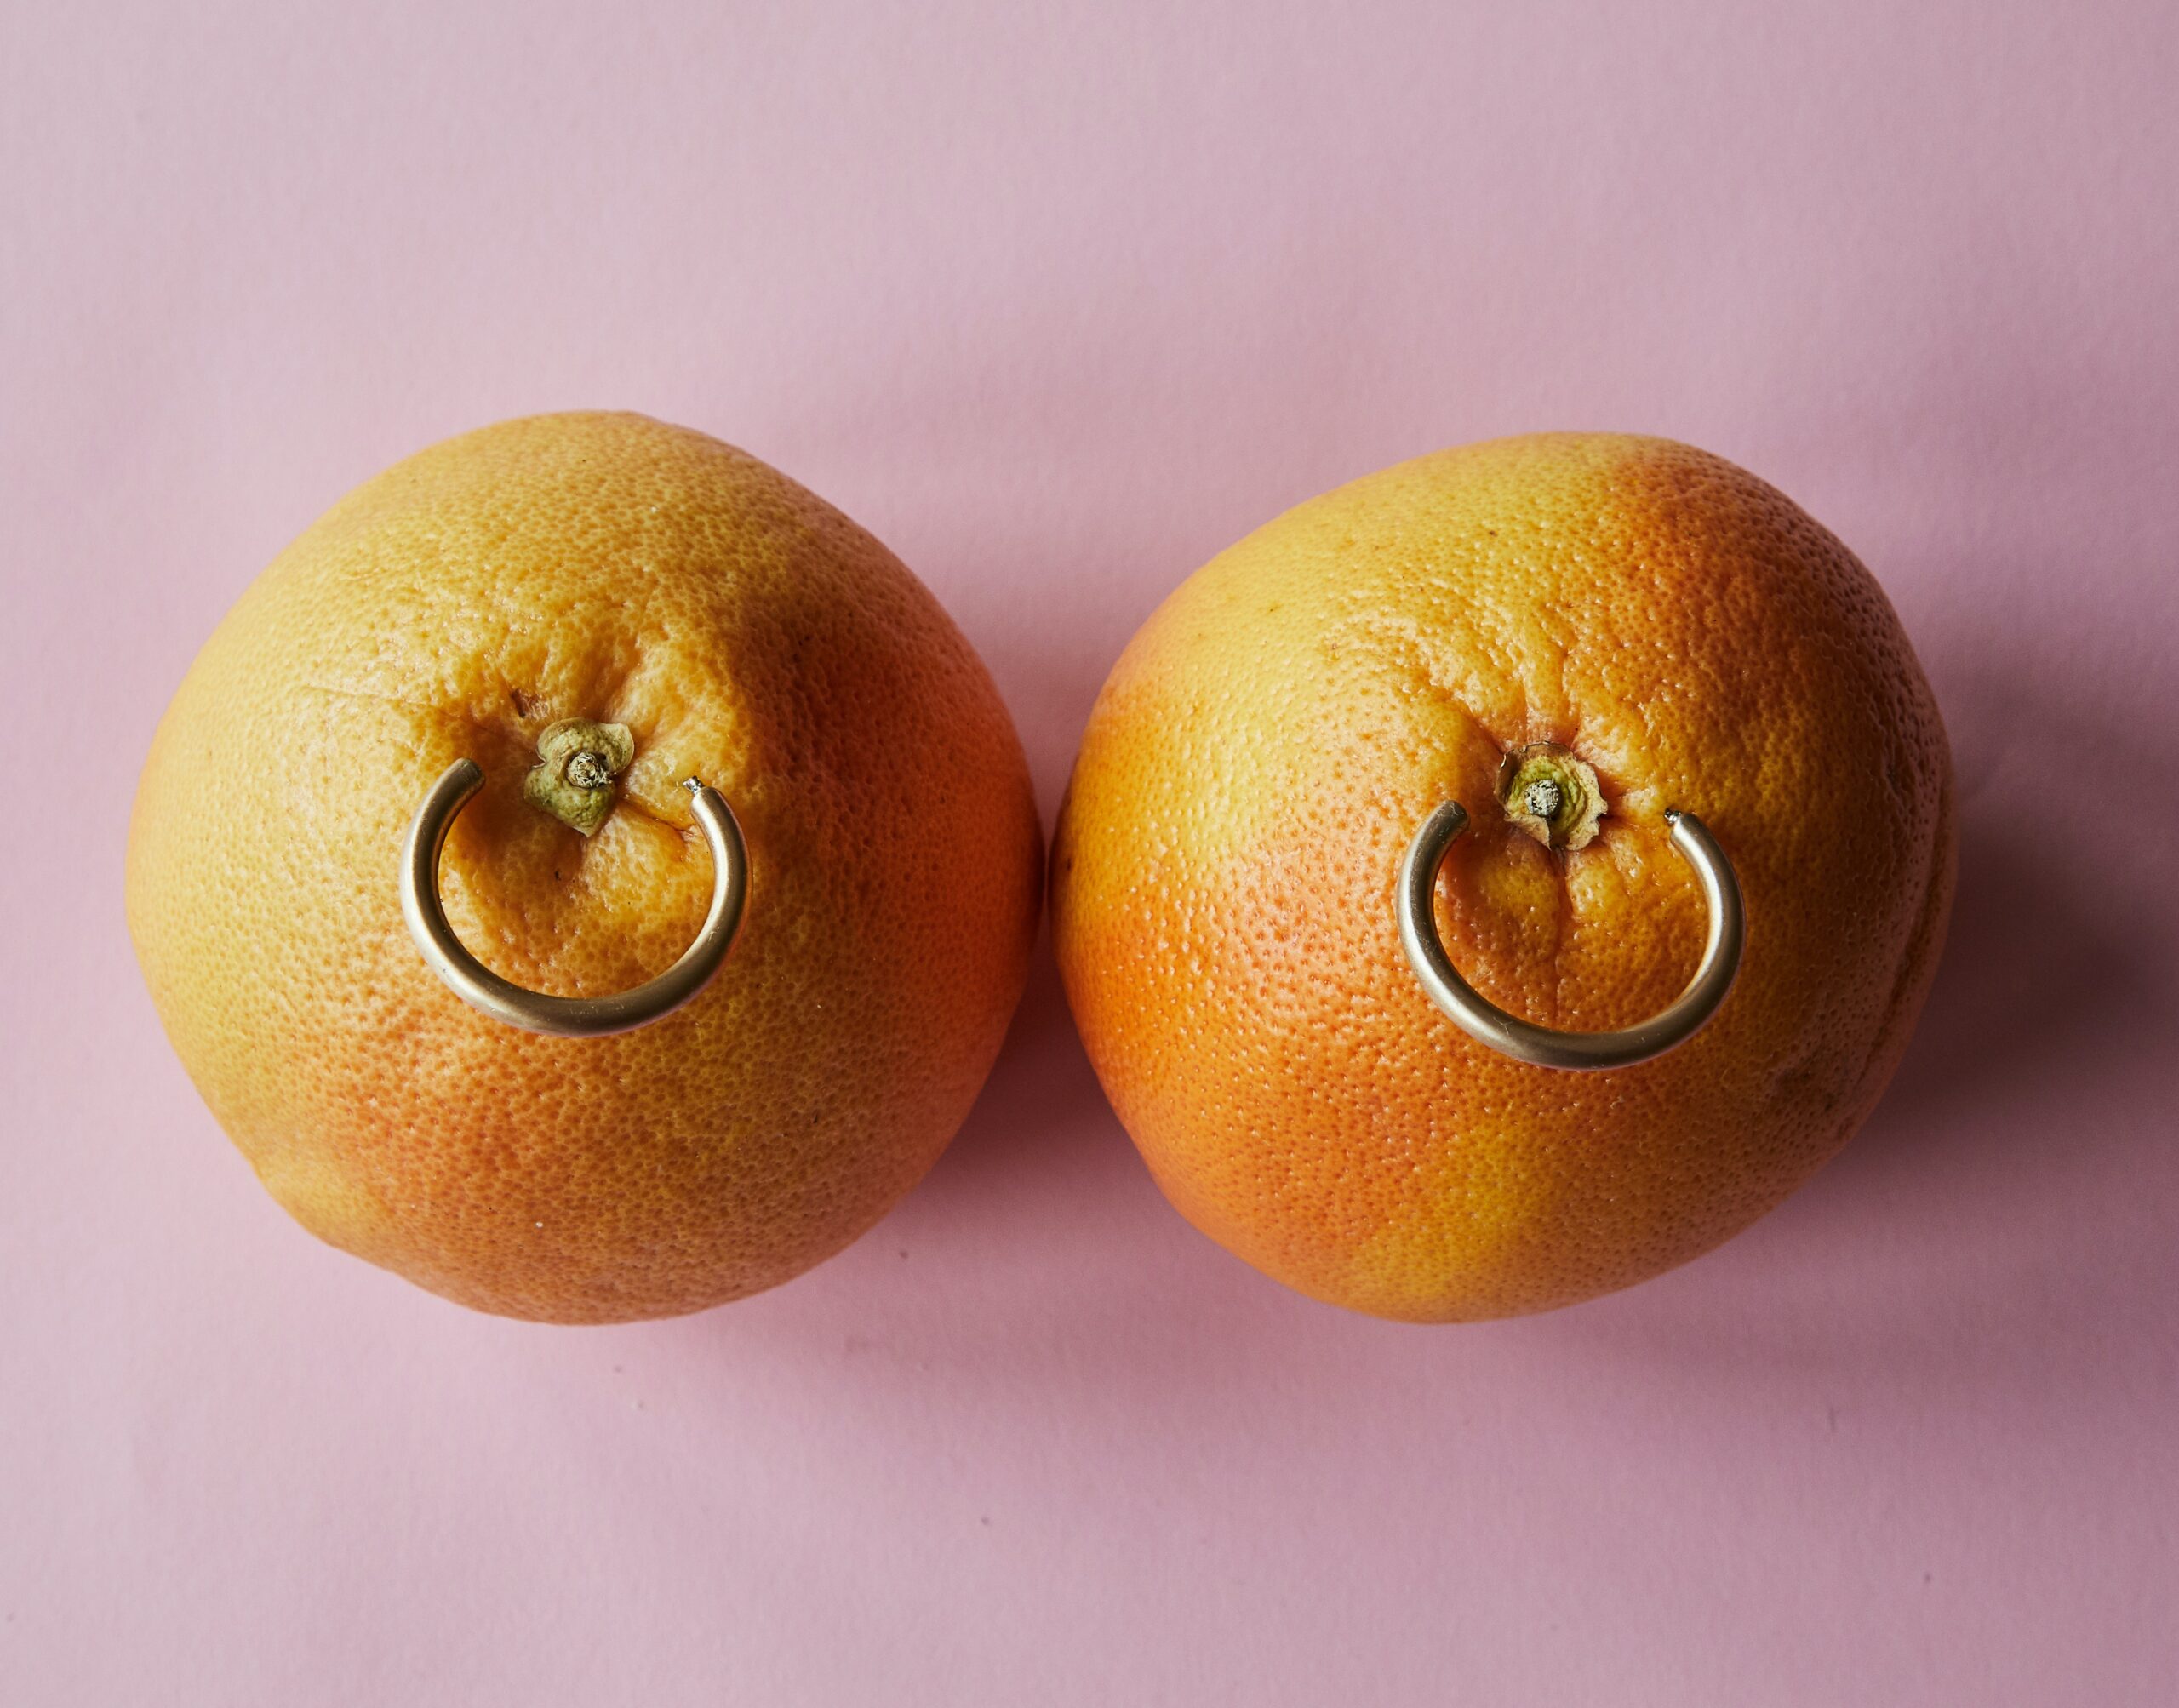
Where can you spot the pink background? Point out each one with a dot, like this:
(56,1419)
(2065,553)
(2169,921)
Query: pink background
(1059,304)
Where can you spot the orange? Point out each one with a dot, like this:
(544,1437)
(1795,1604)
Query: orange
(608,568)
(1222,882)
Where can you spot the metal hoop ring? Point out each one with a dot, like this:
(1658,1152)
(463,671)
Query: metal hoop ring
(1524,1040)
(575,1017)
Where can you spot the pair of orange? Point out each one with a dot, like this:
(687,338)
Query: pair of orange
(1667,629)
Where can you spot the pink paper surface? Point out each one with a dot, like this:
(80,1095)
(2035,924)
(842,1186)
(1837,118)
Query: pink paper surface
(1059,302)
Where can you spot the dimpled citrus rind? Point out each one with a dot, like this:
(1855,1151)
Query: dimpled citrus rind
(610,568)
(1224,866)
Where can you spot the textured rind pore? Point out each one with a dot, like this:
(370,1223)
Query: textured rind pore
(1223,870)
(610,568)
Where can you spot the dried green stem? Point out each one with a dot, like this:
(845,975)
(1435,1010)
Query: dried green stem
(577,761)
(1552,795)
